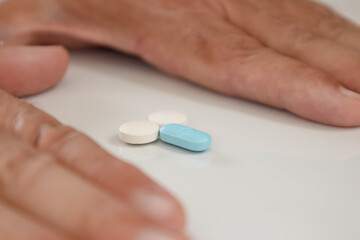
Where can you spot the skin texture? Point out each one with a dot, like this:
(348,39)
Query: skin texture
(55,183)
(50,62)
(296,55)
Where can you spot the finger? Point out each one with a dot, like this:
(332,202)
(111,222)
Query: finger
(123,180)
(30,70)
(226,59)
(323,20)
(42,23)
(37,183)
(290,37)
(15,225)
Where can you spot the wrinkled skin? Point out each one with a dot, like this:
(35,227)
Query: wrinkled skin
(290,54)
(55,183)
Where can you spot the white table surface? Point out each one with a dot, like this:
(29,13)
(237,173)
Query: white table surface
(269,174)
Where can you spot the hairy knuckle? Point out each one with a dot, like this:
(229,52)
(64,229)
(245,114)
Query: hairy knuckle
(300,35)
(293,33)
(245,44)
(315,75)
(212,44)
(332,27)
(233,72)
(236,46)
(308,75)
(238,53)
(201,40)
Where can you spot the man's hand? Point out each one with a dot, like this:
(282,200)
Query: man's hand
(291,54)
(55,183)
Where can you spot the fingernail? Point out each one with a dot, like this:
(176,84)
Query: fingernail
(155,235)
(154,205)
(349,93)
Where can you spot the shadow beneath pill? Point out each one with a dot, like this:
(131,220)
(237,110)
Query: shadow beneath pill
(159,150)
(138,152)
(114,140)
(131,152)
(185,157)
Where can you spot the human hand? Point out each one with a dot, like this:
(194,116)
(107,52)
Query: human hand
(55,183)
(291,54)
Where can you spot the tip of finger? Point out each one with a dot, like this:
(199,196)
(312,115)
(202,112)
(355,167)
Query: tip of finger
(27,70)
(161,207)
(335,106)
(348,108)
(152,234)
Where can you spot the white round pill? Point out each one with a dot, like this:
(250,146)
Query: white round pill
(166,117)
(139,132)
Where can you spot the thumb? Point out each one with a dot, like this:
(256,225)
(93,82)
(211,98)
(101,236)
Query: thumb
(26,70)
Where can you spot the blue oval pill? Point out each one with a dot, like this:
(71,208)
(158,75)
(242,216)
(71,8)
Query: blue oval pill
(185,137)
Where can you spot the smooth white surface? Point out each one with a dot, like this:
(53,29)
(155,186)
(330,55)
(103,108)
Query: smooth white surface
(139,132)
(269,175)
(165,117)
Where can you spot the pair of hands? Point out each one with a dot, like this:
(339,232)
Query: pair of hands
(55,183)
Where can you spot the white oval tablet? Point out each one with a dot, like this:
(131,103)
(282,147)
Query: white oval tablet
(166,117)
(139,132)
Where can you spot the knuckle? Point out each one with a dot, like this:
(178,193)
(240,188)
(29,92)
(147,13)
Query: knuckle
(212,45)
(55,136)
(232,46)
(201,40)
(244,44)
(232,66)
(69,145)
(300,35)
(293,33)
(316,77)
(240,51)
(332,27)
(331,24)
(20,166)
(22,119)
(310,76)
(27,122)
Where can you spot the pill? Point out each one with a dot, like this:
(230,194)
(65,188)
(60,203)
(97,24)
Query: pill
(185,137)
(139,132)
(165,117)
